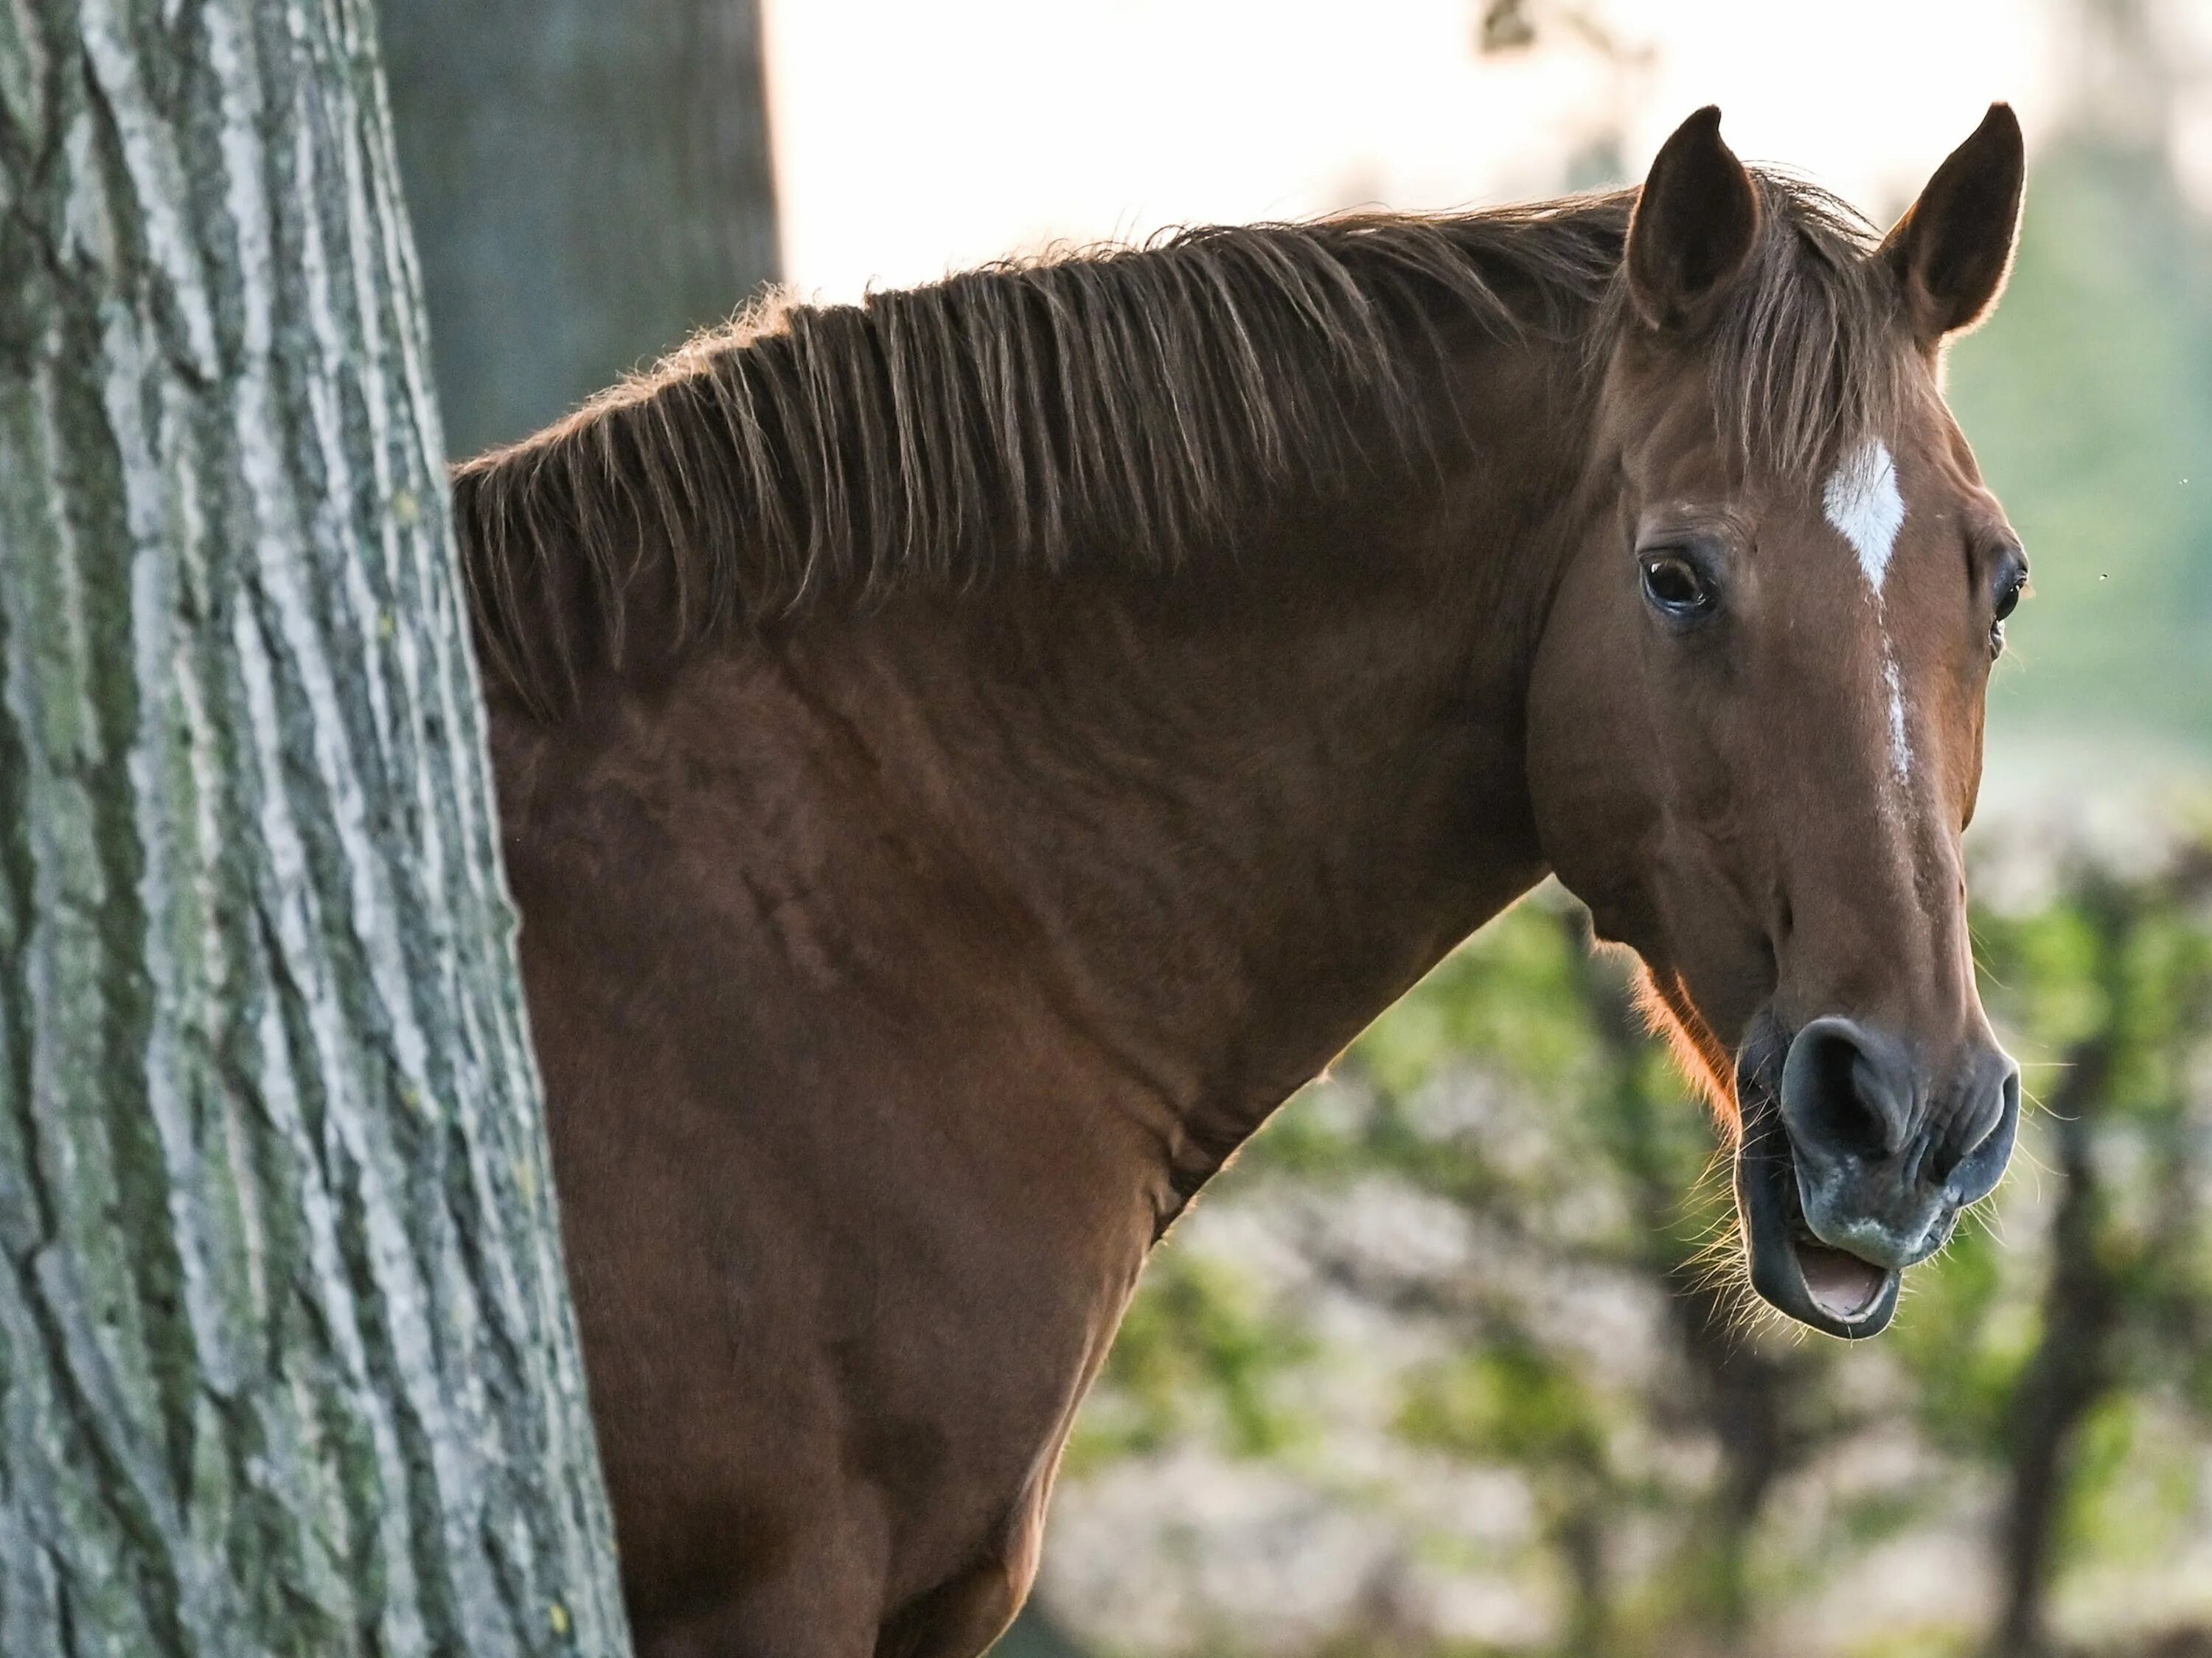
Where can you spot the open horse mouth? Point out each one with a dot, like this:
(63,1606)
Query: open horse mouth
(1829,1288)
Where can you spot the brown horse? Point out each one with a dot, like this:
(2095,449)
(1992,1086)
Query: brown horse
(968,757)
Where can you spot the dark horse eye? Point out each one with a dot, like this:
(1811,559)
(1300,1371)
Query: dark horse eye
(2010,585)
(1675,586)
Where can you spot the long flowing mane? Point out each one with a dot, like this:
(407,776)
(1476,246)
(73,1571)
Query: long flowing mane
(1129,404)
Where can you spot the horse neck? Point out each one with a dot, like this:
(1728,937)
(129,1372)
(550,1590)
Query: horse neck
(1204,827)
(1237,837)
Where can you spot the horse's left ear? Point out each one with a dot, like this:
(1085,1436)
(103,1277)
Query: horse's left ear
(1952,249)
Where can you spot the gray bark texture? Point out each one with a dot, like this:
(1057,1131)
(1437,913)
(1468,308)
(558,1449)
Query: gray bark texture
(287,1363)
(590,183)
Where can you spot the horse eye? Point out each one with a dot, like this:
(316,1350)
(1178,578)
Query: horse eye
(2008,596)
(1676,585)
(2012,585)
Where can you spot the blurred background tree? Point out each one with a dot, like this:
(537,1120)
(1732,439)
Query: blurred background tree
(589,183)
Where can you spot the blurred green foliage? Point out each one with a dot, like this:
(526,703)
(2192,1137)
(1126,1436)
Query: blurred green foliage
(1692,1479)
(1194,1352)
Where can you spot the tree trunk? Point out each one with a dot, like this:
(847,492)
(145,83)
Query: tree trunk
(287,1365)
(2072,1370)
(590,183)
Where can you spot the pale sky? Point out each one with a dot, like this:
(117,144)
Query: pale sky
(916,138)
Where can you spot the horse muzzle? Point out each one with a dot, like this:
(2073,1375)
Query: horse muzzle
(1854,1165)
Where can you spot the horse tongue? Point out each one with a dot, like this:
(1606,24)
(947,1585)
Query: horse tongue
(1841,1285)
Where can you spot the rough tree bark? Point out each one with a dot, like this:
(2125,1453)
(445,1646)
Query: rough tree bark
(287,1364)
(590,183)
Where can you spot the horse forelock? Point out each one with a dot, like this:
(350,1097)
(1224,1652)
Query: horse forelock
(1811,359)
(1134,406)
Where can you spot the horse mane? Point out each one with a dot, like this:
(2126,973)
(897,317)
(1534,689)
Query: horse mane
(1112,405)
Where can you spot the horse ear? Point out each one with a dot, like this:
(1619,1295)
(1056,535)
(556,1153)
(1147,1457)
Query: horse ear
(1696,220)
(1954,246)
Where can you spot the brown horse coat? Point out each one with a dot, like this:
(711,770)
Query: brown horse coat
(966,759)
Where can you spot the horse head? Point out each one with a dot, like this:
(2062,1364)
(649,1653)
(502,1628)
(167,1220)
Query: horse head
(1755,723)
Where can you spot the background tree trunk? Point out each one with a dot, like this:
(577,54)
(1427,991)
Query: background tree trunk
(590,183)
(287,1364)
(2073,1368)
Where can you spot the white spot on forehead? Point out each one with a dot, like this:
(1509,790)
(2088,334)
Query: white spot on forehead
(1862,502)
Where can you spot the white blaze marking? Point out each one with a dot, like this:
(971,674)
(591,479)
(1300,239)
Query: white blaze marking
(1862,503)
(1861,500)
(1900,746)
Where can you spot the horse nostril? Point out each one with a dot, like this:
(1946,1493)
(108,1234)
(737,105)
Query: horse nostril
(1982,1144)
(1844,1094)
(2004,1108)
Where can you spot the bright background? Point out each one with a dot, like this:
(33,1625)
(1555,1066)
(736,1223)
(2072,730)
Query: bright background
(912,140)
